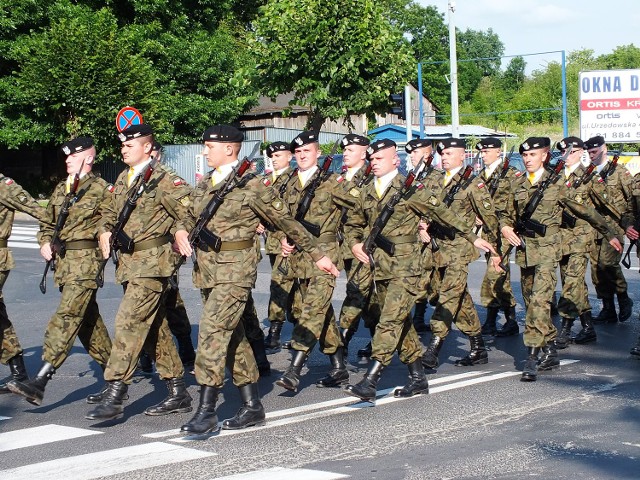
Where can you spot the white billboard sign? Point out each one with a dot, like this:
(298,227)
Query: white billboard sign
(610,105)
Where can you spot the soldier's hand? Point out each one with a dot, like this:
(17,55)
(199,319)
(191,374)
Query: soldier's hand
(495,261)
(485,246)
(632,233)
(182,242)
(422,232)
(260,229)
(511,236)
(104,241)
(287,248)
(359,253)
(615,243)
(326,265)
(479,222)
(46,251)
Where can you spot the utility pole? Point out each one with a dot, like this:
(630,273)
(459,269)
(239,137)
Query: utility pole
(453,75)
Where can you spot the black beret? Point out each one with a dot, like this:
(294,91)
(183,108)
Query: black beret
(567,142)
(135,131)
(594,142)
(76,145)
(417,143)
(489,142)
(277,147)
(223,134)
(451,143)
(380,145)
(354,139)
(305,138)
(157,146)
(534,143)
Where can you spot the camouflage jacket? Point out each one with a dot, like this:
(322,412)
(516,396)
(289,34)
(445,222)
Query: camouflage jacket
(165,200)
(272,244)
(81,224)
(613,201)
(13,197)
(579,239)
(544,249)
(236,221)
(347,185)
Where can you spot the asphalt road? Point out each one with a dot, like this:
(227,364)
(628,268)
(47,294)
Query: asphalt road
(579,421)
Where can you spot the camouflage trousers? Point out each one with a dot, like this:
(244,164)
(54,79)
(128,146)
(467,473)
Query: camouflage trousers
(317,320)
(221,339)
(141,323)
(538,284)
(283,299)
(394,330)
(8,337)
(177,317)
(496,290)
(430,279)
(358,296)
(574,299)
(77,316)
(606,273)
(251,322)
(455,304)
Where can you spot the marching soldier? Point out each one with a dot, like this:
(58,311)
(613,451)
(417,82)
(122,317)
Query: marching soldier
(144,270)
(467,198)
(495,292)
(77,258)
(12,197)
(397,276)
(606,273)
(226,273)
(538,258)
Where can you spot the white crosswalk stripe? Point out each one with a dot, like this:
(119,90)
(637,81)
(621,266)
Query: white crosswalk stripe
(279,473)
(23,236)
(29,437)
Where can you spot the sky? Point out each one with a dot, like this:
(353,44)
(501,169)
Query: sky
(530,26)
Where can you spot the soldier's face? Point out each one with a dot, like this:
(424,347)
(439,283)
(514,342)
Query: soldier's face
(490,155)
(452,158)
(533,159)
(76,160)
(354,155)
(281,159)
(383,161)
(218,153)
(594,152)
(307,156)
(419,153)
(574,157)
(136,151)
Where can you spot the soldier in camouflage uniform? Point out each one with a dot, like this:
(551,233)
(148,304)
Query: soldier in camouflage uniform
(396,277)
(629,222)
(317,321)
(495,292)
(452,259)
(538,260)
(606,273)
(282,287)
(227,274)
(12,197)
(77,261)
(144,271)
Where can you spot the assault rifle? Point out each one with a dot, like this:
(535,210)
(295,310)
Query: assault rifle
(495,181)
(375,238)
(344,210)
(606,172)
(120,241)
(568,220)
(57,246)
(428,168)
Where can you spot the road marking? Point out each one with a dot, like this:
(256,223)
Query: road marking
(279,473)
(5,418)
(106,463)
(28,437)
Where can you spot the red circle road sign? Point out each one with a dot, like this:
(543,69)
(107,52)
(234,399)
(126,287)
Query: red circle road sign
(127,117)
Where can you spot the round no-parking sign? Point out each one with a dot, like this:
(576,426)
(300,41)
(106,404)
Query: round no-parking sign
(127,117)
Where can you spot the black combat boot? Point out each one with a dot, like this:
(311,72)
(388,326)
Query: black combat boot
(588,332)
(608,312)
(418,318)
(110,406)
(554,305)
(417,381)
(251,413)
(338,375)
(97,397)
(145,364)
(430,357)
(33,390)
(478,354)
(564,338)
(290,379)
(186,351)
(260,354)
(489,327)
(178,400)
(205,419)
(347,334)
(625,304)
(635,351)
(365,389)
(272,340)
(549,358)
(530,370)
(18,372)
(368,348)
(511,326)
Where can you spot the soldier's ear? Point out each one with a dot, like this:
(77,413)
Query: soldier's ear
(88,160)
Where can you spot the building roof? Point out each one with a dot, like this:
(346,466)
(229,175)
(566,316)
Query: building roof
(398,133)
